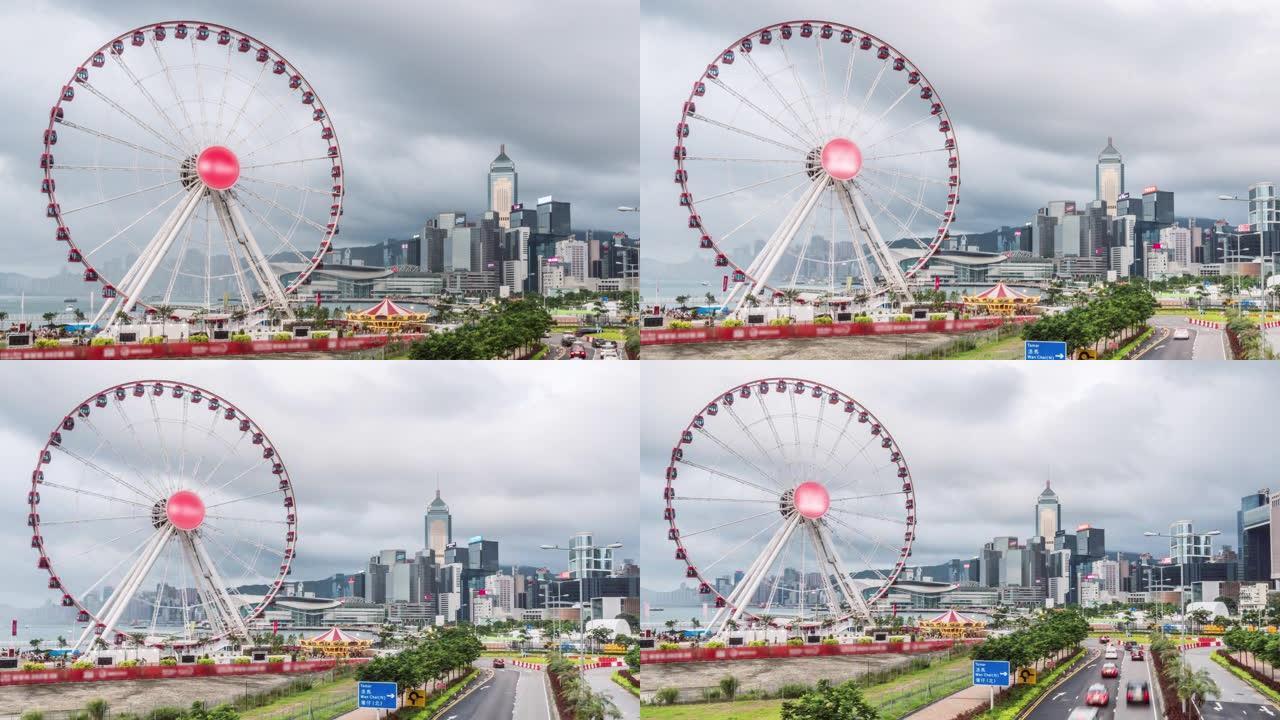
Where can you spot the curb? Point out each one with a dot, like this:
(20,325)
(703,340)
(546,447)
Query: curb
(1163,332)
(485,676)
(1084,658)
(552,708)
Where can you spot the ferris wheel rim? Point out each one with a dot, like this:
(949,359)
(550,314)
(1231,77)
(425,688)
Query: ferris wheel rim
(694,572)
(56,112)
(45,559)
(682,175)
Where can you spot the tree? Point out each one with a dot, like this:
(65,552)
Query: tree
(96,709)
(35,644)
(1192,684)
(728,687)
(48,318)
(829,702)
(3,316)
(682,301)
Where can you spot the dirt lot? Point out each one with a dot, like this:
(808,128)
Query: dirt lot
(139,696)
(768,675)
(865,347)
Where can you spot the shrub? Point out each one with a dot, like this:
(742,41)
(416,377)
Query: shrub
(242,660)
(863,319)
(780,321)
(168,661)
(102,340)
(679,324)
(732,322)
(793,690)
(167,713)
(96,709)
(938,316)
(205,661)
(320,334)
(47,343)
(714,645)
(127,663)
(795,642)
(897,638)
(275,659)
(33,715)
(668,646)
(82,665)
(666,696)
(902,318)
(153,340)
(241,338)
(198,338)
(830,641)
(29,666)
(864,640)
(823,320)
(757,643)
(711,694)
(281,336)
(729,686)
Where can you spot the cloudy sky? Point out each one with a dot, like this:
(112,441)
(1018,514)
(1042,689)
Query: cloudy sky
(523,455)
(1033,89)
(421,95)
(1131,447)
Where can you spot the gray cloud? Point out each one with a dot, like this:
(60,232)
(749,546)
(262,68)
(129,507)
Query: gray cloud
(1130,447)
(521,455)
(421,94)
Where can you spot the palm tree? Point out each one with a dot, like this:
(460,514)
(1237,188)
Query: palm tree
(3,316)
(791,295)
(681,300)
(48,318)
(1192,684)
(711,298)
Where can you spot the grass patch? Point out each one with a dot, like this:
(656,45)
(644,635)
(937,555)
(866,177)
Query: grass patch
(622,683)
(440,700)
(541,354)
(613,334)
(1010,348)
(1245,676)
(1124,352)
(322,694)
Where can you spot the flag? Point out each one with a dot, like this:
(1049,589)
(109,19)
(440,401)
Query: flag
(275,626)
(724,283)
(317,298)
(937,282)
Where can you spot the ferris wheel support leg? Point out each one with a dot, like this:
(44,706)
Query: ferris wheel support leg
(803,208)
(258,264)
(891,270)
(158,248)
(843,579)
(851,217)
(833,598)
(127,280)
(225,605)
(202,588)
(745,590)
(85,639)
(121,598)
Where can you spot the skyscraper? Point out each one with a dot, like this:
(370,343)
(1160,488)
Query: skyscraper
(438,527)
(1048,513)
(504,188)
(1110,176)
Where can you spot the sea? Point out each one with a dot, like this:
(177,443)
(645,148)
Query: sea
(31,308)
(663,293)
(657,616)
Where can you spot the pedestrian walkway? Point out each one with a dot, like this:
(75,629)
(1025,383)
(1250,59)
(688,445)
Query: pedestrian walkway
(362,714)
(972,697)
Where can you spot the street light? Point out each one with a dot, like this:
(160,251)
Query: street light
(1263,270)
(1182,580)
(582,656)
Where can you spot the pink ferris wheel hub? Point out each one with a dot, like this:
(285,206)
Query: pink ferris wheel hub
(185,510)
(841,158)
(811,500)
(219,168)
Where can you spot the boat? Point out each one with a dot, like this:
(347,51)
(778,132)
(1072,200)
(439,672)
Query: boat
(70,301)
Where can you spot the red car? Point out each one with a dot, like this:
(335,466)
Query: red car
(1097,695)
(499,663)
(1137,654)
(577,352)
(1110,670)
(1137,693)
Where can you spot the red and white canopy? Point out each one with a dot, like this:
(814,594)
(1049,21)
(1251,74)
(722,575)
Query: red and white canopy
(386,308)
(950,617)
(1001,292)
(334,635)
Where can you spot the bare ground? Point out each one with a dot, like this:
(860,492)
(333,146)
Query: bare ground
(862,347)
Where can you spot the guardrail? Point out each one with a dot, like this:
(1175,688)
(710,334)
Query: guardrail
(813,330)
(140,351)
(702,654)
(163,672)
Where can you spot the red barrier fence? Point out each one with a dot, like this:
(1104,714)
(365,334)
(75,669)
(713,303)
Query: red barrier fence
(160,672)
(1205,323)
(208,349)
(767,652)
(811,330)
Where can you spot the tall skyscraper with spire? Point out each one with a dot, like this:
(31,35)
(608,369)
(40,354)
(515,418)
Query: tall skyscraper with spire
(504,187)
(1110,176)
(438,527)
(1048,513)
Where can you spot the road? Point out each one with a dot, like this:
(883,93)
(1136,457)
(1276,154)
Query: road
(1070,694)
(601,680)
(1204,343)
(557,351)
(512,694)
(1238,701)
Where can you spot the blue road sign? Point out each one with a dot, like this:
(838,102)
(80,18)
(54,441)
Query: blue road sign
(991,672)
(1045,350)
(380,695)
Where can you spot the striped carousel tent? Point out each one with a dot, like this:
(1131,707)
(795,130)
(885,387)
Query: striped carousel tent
(1000,300)
(387,316)
(336,644)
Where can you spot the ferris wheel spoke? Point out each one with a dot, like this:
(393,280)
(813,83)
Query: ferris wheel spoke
(899,173)
(275,231)
(288,186)
(164,451)
(128,424)
(120,197)
(869,516)
(173,277)
(744,543)
(285,162)
(137,121)
(245,105)
(764,114)
(729,524)
(133,468)
(77,521)
(109,475)
(826,91)
(772,427)
(240,538)
(867,561)
(746,430)
(905,128)
(725,446)
(883,114)
(250,520)
(910,153)
(866,497)
(204,120)
(723,499)
(113,168)
(222,93)
(728,476)
(907,199)
(709,158)
(867,98)
(818,131)
(112,138)
(746,133)
(285,210)
(177,134)
(277,141)
(173,87)
(812,132)
(848,80)
(273,491)
(148,539)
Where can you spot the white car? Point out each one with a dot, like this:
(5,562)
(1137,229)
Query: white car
(1111,653)
(1181,334)
(607,354)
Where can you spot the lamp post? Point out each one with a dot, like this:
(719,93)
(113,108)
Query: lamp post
(582,621)
(1262,251)
(1182,580)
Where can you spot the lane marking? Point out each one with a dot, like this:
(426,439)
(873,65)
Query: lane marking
(1264,709)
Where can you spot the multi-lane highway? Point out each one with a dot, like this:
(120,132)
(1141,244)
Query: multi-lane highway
(1237,701)
(511,694)
(1059,703)
(601,681)
(1203,343)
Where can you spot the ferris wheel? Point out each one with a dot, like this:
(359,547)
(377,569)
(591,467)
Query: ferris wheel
(817,163)
(180,161)
(790,505)
(161,509)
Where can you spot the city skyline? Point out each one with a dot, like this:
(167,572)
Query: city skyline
(411,149)
(365,468)
(1141,429)
(1023,141)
